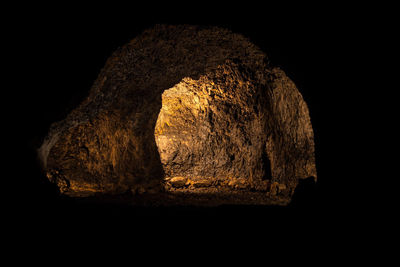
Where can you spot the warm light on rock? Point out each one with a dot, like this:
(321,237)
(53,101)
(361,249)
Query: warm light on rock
(184,108)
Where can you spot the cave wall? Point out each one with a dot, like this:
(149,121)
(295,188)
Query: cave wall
(107,143)
(213,127)
(290,144)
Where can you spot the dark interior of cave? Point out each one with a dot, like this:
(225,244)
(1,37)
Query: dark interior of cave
(71,54)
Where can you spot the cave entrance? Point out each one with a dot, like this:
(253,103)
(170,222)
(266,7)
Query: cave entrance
(183,131)
(207,135)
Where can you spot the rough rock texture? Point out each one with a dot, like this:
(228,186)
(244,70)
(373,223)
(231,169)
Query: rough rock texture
(219,113)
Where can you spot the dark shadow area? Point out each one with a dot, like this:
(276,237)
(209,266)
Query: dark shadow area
(305,194)
(33,189)
(266,166)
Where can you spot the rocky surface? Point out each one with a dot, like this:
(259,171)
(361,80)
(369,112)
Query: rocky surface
(184,108)
(201,197)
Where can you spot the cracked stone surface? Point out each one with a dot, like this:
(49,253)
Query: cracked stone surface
(203,104)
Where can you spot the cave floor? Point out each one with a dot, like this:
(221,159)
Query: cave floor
(200,197)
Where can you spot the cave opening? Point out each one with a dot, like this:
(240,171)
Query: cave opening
(179,127)
(207,138)
(183,134)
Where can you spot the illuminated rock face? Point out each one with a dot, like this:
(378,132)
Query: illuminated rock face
(214,128)
(184,101)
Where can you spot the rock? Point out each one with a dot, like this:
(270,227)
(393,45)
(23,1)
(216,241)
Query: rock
(183,101)
(239,183)
(178,181)
(273,189)
(281,187)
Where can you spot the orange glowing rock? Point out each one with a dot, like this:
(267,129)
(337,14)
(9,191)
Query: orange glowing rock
(184,102)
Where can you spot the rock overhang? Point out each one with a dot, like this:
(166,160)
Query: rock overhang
(107,144)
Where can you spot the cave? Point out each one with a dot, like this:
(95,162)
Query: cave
(198,113)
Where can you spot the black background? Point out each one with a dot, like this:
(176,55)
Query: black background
(61,49)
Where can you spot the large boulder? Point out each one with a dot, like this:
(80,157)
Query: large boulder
(183,101)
